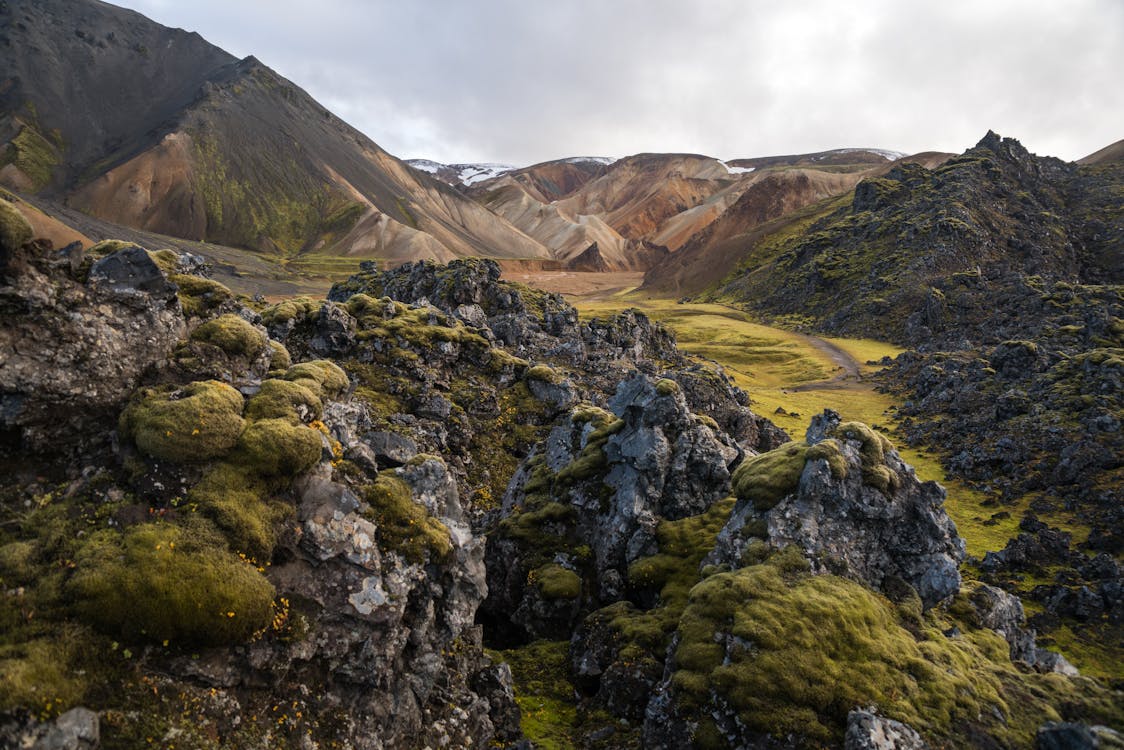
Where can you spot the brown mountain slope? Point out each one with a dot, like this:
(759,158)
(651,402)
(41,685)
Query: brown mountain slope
(1107,155)
(713,252)
(638,194)
(554,180)
(247,159)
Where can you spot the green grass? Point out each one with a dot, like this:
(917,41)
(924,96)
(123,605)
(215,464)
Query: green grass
(544,692)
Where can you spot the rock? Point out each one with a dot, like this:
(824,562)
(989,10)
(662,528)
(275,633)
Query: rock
(1003,613)
(854,508)
(390,448)
(496,686)
(73,352)
(335,332)
(77,729)
(1074,736)
(131,271)
(866,730)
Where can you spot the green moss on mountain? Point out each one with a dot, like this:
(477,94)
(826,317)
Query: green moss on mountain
(405,526)
(15,232)
(33,155)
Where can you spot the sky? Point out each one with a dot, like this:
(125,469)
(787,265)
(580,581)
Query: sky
(524,81)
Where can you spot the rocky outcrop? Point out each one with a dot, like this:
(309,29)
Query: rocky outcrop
(851,506)
(866,730)
(602,481)
(73,349)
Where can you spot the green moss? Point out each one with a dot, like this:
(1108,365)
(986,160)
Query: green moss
(280,361)
(766,479)
(556,582)
(322,377)
(199,296)
(231,333)
(15,232)
(279,447)
(544,692)
(591,461)
(543,373)
(800,651)
(873,447)
(278,399)
(236,501)
(420,327)
(404,525)
(155,583)
(666,387)
(297,308)
(166,260)
(33,155)
(197,422)
(48,674)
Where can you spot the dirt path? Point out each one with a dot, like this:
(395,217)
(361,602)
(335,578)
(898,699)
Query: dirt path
(851,373)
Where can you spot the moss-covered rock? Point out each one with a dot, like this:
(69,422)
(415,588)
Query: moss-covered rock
(15,232)
(280,361)
(156,583)
(322,377)
(873,448)
(544,373)
(231,333)
(404,525)
(281,399)
(237,502)
(556,582)
(198,296)
(196,422)
(278,447)
(766,479)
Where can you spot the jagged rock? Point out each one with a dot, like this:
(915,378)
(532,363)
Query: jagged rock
(72,353)
(77,729)
(1074,736)
(616,475)
(390,448)
(856,509)
(335,331)
(131,270)
(1003,613)
(866,730)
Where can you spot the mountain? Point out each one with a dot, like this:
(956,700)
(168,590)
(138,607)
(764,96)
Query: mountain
(460,174)
(906,241)
(202,146)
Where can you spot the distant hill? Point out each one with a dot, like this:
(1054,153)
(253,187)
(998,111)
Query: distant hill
(203,146)
(895,260)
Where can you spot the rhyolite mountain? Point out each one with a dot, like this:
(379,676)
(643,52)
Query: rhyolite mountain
(156,129)
(230,523)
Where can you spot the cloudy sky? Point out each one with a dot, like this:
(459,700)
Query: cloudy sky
(522,81)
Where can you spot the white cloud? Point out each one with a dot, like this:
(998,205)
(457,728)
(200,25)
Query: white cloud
(512,81)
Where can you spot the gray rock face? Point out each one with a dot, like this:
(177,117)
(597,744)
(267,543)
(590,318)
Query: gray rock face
(335,331)
(390,448)
(1003,613)
(866,730)
(71,353)
(659,462)
(77,729)
(845,525)
(1074,736)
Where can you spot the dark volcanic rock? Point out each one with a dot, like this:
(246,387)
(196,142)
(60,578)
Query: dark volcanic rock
(851,526)
(866,730)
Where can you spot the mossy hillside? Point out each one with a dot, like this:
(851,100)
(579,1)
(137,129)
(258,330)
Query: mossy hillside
(404,525)
(233,334)
(801,651)
(238,501)
(15,232)
(156,583)
(33,155)
(193,423)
